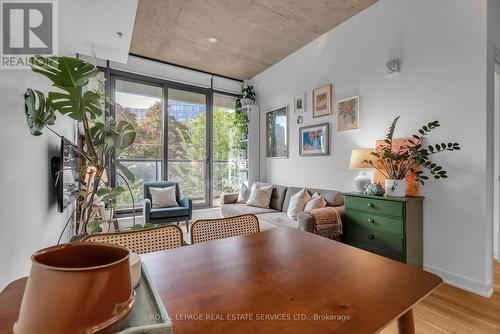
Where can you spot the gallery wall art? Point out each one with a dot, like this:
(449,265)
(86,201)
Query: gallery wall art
(348,114)
(322,101)
(314,140)
(277,133)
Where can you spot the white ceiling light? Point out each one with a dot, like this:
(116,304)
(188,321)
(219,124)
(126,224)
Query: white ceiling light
(212,40)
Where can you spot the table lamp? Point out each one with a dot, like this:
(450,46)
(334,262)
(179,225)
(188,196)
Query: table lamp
(357,158)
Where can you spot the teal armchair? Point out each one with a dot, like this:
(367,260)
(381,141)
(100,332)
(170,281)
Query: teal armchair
(183,212)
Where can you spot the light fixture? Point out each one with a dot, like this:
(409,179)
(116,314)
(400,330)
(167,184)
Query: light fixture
(392,67)
(212,40)
(358,158)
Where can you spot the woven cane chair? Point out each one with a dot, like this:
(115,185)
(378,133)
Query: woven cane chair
(211,229)
(143,241)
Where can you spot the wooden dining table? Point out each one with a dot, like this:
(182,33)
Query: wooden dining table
(278,281)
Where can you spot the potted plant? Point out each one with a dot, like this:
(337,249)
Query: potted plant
(80,95)
(247,95)
(395,163)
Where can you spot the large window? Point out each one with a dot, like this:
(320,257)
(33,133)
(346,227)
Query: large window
(191,141)
(142,105)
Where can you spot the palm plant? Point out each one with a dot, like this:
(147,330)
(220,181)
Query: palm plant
(395,163)
(81,96)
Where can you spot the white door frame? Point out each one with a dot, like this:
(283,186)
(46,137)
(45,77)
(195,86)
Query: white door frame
(496,215)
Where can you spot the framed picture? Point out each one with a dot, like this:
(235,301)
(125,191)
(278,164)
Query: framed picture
(299,103)
(314,140)
(322,101)
(348,114)
(277,133)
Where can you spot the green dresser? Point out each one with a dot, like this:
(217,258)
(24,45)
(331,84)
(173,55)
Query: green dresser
(388,226)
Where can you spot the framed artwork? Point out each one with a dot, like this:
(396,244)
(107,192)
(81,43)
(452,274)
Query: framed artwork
(322,101)
(412,185)
(277,133)
(348,114)
(299,103)
(314,140)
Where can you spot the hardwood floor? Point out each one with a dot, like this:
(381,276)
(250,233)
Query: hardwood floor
(451,310)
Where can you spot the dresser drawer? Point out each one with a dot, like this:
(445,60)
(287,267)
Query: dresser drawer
(378,206)
(374,238)
(383,252)
(375,222)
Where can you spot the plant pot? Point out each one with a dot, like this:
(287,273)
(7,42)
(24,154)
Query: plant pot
(81,287)
(246,102)
(395,188)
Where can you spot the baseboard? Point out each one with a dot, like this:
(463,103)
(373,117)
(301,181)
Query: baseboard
(479,288)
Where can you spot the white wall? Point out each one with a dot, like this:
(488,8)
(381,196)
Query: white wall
(443,46)
(28,214)
(493,109)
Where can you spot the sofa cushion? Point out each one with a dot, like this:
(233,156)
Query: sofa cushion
(332,197)
(229,210)
(277,197)
(260,196)
(297,203)
(265,226)
(279,219)
(169,212)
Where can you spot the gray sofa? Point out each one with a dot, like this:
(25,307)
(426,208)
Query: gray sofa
(275,216)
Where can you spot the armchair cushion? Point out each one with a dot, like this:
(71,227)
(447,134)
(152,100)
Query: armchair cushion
(163,197)
(169,212)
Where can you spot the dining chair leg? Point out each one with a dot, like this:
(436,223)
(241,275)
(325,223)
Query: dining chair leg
(406,324)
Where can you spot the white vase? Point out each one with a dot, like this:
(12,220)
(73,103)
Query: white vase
(361,181)
(395,188)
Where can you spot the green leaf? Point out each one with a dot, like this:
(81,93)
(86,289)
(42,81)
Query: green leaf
(78,237)
(38,113)
(149,225)
(125,171)
(64,71)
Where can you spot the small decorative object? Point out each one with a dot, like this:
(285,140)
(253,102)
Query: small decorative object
(395,163)
(91,280)
(314,140)
(358,158)
(299,103)
(300,119)
(374,189)
(348,114)
(392,67)
(277,133)
(322,101)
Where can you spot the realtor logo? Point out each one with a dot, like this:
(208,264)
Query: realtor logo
(28,28)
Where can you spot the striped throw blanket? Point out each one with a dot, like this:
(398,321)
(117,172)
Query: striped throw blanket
(327,222)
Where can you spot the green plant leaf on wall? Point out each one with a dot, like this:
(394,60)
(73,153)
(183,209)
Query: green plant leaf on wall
(38,112)
(64,71)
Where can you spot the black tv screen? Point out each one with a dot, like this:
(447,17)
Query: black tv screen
(66,170)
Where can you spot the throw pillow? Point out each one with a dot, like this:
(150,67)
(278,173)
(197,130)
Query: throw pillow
(260,196)
(297,203)
(163,197)
(244,194)
(317,201)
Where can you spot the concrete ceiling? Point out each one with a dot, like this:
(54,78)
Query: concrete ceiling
(252,34)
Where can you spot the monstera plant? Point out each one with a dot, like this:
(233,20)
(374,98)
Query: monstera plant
(79,94)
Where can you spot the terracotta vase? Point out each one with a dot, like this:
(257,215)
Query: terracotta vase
(81,287)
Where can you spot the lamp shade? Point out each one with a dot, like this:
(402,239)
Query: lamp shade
(358,156)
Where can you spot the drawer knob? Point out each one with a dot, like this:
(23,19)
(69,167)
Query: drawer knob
(371,236)
(371,221)
(370,205)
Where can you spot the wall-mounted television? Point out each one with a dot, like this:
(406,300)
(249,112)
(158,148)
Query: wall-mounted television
(66,172)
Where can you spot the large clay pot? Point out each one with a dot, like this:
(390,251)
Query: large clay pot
(80,287)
